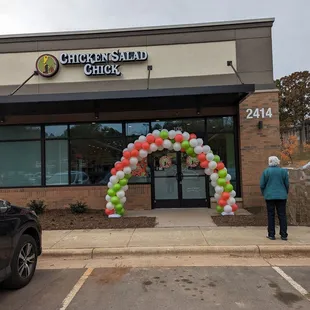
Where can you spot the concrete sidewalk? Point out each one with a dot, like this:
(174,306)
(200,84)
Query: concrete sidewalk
(243,241)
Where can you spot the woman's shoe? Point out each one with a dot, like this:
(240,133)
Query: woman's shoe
(284,238)
(271,237)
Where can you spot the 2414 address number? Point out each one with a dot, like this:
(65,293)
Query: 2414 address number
(259,113)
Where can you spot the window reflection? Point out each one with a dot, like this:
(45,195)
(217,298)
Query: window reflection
(219,124)
(137,129)
(95,130)
(20,132)
(59,131)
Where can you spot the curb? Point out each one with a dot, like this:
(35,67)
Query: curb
(265,251)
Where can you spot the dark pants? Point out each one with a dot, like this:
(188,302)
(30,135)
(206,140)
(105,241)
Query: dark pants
(280,205)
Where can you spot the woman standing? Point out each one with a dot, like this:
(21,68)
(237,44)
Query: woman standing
(274,184)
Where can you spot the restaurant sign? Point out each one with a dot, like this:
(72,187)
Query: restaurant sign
(102,63)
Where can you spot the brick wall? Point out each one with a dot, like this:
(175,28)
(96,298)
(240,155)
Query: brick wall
(138,196)
(256,145)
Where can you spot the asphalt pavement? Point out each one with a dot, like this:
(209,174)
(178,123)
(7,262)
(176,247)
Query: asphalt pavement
(126,288)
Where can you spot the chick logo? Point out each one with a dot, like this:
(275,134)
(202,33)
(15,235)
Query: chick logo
(47,65)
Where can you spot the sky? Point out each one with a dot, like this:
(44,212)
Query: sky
(291,31)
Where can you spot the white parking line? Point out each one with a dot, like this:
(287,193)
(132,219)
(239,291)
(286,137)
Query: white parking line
(66,302)
(295,285)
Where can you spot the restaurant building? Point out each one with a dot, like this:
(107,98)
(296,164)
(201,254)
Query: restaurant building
(71,102)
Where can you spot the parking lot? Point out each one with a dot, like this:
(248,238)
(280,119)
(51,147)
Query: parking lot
(161,288)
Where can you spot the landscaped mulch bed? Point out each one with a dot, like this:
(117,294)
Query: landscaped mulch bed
(92,219)
(256,218)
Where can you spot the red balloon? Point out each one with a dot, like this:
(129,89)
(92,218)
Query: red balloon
(159,141)
(134,153)
(220,166)
(109,212)
(125,162)
(113,171)
(150,139)
(204,164)
(222,202)
(201,157)
(145,146)
(234,208)
(178,138)
(225,196)
(119,166)
(192,136)
(138,145)
(126,154)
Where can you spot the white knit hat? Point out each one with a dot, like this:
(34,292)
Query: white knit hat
(273,161)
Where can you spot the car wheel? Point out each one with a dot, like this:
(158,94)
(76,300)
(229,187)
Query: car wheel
(23,264)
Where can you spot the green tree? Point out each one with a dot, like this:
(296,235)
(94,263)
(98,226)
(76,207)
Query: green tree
(294,101)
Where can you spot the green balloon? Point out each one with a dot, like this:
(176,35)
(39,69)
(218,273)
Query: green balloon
(123,182)
(172,141)
(128,176)
(221,182)
(115,200)
(118,207)
(222,173)
(164,134)
(217,158)
(111,192)
(190,151)
(228,188)
(219,209)
(116,187)
(185,145)
(120,212)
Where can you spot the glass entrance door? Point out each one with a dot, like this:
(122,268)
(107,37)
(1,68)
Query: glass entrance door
(178,181)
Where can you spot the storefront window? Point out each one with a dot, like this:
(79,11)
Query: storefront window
(20,132)
(58,131)
(97,130)
(137,129)
(20,163)
(56,163)
(220,124)
(92,159)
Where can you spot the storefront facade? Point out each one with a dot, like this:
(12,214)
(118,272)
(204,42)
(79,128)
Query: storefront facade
(95,92)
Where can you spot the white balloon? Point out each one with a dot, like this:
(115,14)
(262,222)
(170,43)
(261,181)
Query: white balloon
(120,174)
(125,188)
(120,194)
(167,144)
(197,149)
(212,165)
(114,179)
(125,150)
(107,198)
(160,148)
(206,149)
(130,146)
(228,209)
(149,151)
(200,141)
(156,133)
(133,167)
(123,200)
(208,171)
(170,147)
(231,201)
(186,135)
(110,185)
(122,158)
(142,138)
(193,142)
(228,177)
(171,134)
(214,177)
(133,161)
(143,153)
(233,194)
(217,196)
(177,146)
(178,132)
(153,147)
(110,206)
(219,189)
(127,170)
(210,156)
(214,183)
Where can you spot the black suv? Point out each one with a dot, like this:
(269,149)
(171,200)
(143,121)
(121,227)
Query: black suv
(20,245)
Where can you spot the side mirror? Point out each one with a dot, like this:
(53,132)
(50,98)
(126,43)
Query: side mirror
(4,206)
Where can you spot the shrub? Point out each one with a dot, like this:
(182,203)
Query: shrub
(38,206)
(78,207)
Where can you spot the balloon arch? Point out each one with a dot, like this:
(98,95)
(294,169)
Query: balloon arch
(172,140)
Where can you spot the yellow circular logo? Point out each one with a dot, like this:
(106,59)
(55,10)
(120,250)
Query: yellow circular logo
(47,65)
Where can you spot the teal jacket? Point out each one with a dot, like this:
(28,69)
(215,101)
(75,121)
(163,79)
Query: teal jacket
(274,183)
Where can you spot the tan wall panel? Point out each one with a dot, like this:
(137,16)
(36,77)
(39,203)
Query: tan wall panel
(201,59)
